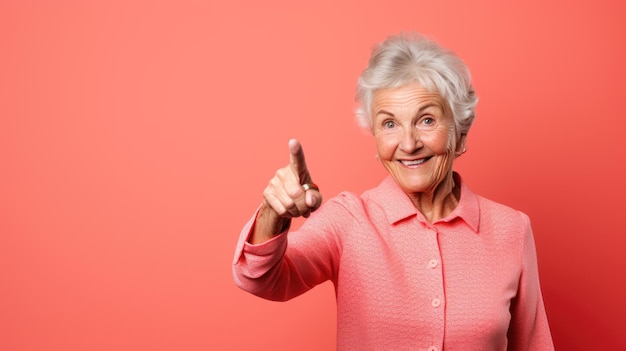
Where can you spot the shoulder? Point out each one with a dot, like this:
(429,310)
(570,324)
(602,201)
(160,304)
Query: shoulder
(503,220)
(486,215)
(373,205)
(345,199)
(378,196)
(348,202)
(495,210)
(341,207)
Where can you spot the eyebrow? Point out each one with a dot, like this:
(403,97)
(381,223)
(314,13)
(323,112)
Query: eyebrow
(419,111)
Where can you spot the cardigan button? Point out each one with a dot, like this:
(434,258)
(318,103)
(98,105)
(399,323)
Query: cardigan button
(436,302)
(432,263)
(432,348)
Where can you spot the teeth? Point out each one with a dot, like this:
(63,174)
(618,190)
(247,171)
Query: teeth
(414,162)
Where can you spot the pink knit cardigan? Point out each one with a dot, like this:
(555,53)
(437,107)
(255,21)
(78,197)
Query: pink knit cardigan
(466,282)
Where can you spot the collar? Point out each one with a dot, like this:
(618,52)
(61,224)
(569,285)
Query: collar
(398,206)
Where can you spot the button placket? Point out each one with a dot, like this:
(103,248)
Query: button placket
(432,266)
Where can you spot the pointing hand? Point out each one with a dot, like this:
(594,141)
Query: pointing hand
(291,192)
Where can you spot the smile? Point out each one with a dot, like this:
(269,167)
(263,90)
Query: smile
(412,163)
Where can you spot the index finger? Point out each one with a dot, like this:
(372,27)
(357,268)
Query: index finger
(296,157)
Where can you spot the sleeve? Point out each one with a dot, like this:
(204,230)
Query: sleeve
(529,329)
(291,263)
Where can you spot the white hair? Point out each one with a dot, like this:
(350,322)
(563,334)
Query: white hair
(409,58)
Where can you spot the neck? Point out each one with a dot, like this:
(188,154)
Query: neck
(439,202)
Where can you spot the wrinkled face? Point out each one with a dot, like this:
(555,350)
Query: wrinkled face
(415,136)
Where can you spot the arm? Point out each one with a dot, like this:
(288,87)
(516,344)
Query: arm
(291,263)
(285,198)
(260,264)
(529,329)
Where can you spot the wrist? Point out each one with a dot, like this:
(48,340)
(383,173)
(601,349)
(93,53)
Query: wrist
(268,224)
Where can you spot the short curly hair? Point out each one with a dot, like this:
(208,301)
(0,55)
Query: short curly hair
(411,57)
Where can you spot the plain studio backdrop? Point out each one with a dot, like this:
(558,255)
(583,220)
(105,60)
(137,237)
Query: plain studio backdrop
(136,138)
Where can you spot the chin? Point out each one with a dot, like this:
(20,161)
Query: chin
(413,188)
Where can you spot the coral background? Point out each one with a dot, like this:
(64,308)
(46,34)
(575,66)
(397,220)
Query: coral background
(136,138)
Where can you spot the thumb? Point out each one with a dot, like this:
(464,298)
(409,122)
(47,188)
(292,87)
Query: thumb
(313,199)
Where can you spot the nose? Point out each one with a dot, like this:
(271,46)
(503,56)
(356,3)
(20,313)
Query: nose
(410,140)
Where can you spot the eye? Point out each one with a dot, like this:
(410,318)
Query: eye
(389,124)
(427,122)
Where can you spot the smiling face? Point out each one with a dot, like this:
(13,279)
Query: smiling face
(415,137)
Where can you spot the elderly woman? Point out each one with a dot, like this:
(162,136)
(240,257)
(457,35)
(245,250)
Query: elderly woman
(419,262)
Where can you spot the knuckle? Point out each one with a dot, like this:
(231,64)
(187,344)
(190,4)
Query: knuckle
(295,191)
(289,203)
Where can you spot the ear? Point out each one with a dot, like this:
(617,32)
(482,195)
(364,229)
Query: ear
(460,145)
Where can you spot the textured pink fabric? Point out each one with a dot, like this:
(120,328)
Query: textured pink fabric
(466,282)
